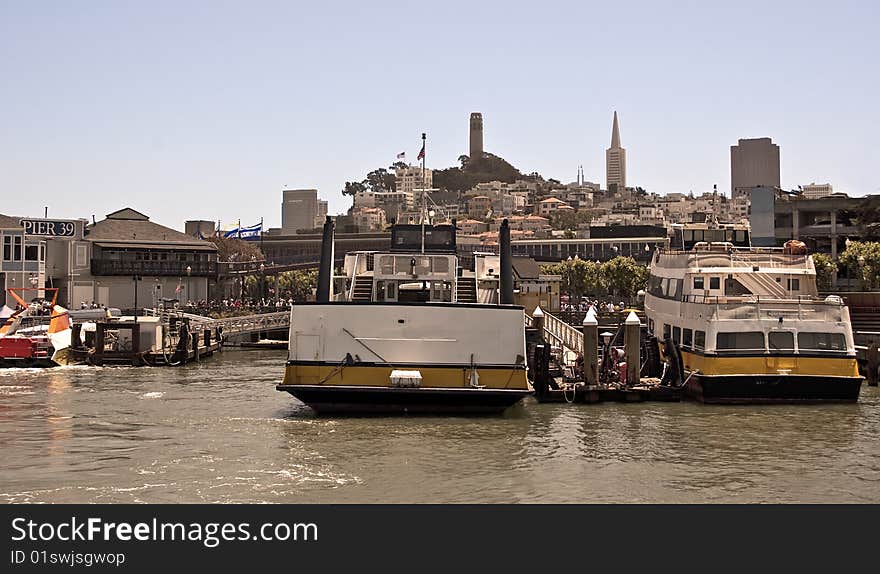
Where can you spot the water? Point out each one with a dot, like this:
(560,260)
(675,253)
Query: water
(220,432)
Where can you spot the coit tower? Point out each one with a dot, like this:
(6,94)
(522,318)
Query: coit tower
(476,135)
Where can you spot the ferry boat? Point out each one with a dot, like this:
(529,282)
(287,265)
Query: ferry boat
(409,330)
(747,323)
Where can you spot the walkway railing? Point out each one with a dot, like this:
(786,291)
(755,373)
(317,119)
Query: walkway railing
(243,325)
(560,333)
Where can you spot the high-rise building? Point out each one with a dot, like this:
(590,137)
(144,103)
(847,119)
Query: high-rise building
(321,214)
(753,163)
(816,190)
(299,210)
(615,161)
(476,135)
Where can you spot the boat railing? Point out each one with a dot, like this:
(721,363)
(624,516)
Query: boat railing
(350,296)
(753,307)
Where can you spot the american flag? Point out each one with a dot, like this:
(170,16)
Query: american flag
(421,153)
(401,155)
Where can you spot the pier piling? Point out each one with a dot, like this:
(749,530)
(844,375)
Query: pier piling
(591,348)
(632,348)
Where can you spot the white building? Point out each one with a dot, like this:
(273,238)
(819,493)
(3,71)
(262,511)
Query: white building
(408,179)
(816,190)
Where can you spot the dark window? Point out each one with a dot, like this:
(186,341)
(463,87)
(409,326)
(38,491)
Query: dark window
(687,338)
(794,284)
(821,341)
(781,340)
(676,334)
(698,283)
(700,339)
(31,253)
(714,283)
(16,248)
(742,341)
(667,330)
(7,248)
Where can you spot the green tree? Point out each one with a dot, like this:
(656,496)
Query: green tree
(353,187)
(862,260)
(233,249)
(298,285)
(624,277)
(826,269)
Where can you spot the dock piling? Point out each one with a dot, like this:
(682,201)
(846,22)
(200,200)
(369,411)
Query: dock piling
(591,348)
(632,348)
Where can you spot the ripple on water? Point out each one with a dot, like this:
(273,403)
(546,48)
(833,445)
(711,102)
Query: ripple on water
(220,432)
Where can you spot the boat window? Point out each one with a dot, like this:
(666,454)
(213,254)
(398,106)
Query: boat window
(700,339)
(821,341)
(781,340)
(667,331)
(676,334)
(380,290)
(441,265)
(391,290)
(698,283)
(687,338)
(714,283)
(794,284)
(386,265)
(743,341)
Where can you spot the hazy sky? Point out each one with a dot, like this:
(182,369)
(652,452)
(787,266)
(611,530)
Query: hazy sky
(207,110)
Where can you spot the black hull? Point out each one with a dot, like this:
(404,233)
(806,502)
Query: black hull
(27,363)
(769,389)
(393,400)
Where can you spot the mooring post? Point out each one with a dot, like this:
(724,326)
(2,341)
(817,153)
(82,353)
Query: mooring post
(632,347)
(591,348)
(538,322)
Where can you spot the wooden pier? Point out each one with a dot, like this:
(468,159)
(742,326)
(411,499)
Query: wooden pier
(122,344)
(591,394)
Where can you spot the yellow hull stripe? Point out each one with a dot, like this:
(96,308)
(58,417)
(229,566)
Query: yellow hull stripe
(432,377)
(815,366)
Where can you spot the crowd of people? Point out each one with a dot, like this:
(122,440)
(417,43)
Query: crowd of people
(600,306)
(227,305)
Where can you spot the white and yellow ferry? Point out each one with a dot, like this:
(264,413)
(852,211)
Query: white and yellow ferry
(409,330)
(748,322)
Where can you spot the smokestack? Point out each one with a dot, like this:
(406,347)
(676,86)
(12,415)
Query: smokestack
(506,264)
(325,271)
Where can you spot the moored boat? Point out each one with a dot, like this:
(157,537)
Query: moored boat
(747,323)
(409,330)
(38,334)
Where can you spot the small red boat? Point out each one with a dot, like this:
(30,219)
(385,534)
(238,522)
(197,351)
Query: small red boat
(36,335)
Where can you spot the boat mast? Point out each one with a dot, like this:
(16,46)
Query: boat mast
(424,205)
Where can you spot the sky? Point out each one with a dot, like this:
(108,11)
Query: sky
(208,110)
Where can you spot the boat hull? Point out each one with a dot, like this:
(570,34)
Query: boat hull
(773,388)
(391,400)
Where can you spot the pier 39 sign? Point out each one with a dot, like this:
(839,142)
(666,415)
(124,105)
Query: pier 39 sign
(49,227)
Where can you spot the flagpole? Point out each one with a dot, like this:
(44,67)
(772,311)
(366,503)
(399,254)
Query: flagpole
(424,209)
(261,238)
(239,228)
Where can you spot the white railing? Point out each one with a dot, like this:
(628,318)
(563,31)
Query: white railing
(561,333)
